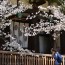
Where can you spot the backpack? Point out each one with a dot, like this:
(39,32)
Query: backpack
(59,58)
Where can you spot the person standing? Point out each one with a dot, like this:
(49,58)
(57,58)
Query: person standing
(57,56)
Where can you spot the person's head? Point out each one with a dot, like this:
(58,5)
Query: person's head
(53,51)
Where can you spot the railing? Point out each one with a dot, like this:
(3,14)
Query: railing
(16,58)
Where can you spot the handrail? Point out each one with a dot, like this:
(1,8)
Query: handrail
(12,52)
(18,58)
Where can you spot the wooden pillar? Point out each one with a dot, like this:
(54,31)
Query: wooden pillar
(57,40)
(19,32)
(17,2)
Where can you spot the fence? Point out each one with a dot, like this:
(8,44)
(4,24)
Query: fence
(17,58)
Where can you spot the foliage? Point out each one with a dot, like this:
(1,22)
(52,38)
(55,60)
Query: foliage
(59,2)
